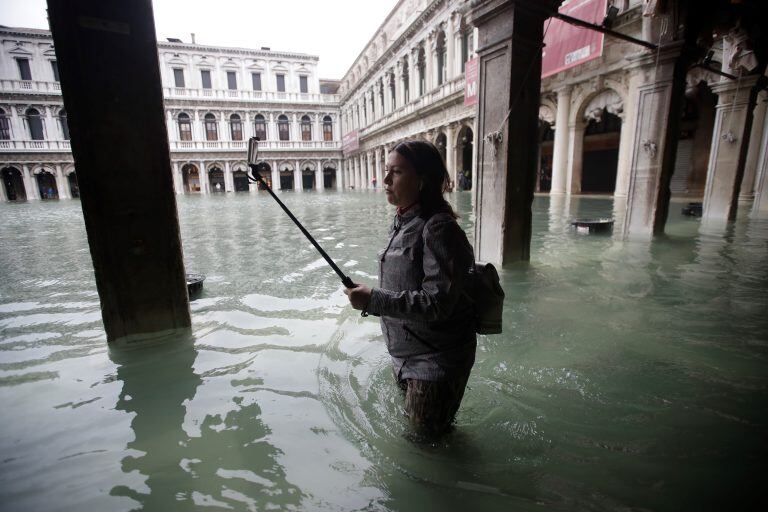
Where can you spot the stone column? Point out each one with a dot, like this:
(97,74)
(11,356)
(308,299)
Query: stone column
(271,128)
(511,39)
(399,90)
(430,62)
(623,167)
(30,183)
(450,49)
(275,176)
(361,171)
(173,133)
(657,87)
(413,79)
(450,152)
(575,159)
(50,124)
(198,133)
(61,183)
(379,174)
(3,194)
(748,185)
(560,149)
(295,131)
(730,142)
(229,182)
(298,182)
(760,206)
(178,186)
(203,174)
(319,175)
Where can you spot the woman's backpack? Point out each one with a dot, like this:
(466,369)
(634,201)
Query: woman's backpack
(487,296)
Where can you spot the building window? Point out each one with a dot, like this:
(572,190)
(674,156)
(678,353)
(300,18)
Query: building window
(211,131)
(205,77)
(256,79)
(185,127)
(24,71)
(327,128)
(35,123)
(392,91)
(464,49)
(381,95)
(5,126)
(283,131)
(178,77)
(303,84)
(260,127)
(55,69)
(280,83)
(63,124)
(231,80)
(306,128)
(235,127)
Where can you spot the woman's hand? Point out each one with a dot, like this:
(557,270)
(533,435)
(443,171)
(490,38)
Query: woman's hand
(359,296)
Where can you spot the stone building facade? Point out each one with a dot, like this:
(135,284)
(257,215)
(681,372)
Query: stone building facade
(215,99)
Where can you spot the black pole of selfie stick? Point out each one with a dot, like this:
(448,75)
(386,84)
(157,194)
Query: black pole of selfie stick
(258,179)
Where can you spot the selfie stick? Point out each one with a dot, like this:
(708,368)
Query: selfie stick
(253,153)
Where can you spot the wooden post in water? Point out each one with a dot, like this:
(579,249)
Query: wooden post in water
(110,81)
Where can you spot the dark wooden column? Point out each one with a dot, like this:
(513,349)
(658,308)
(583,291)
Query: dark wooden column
(510,42)
(110,80)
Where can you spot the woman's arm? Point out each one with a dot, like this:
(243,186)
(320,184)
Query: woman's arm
(446,262)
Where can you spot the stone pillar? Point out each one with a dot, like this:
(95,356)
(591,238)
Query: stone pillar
(748,185)
(575,152)
(657,87)
(275,176)
(271,128)
(30,183)
(203,174)
(730,142)
(511,39)
(430,62)
(229,182)
(450,49)
(379,174)
(317,133)
(178,186)
(50,124)
(760,206)
(560,149)
(319,175)
(413,71)
(61,183)
(3,194)
(450,152)
(298,182)
(622,167)
(361,171)
(198,133)
(295,131)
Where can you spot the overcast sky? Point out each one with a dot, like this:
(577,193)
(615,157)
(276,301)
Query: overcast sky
(334,30)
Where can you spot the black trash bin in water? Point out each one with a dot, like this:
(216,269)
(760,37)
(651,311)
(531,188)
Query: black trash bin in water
(194,285)
(589,226)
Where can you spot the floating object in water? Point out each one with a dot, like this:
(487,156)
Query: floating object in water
(587,226)
(693,209)
(194,285)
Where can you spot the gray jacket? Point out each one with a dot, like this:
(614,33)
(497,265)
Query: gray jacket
(422,273)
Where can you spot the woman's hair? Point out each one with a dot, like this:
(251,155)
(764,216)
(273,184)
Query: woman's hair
(426,161)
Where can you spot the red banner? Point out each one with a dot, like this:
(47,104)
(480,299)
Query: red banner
(470,82)
(350,142)
(567,46)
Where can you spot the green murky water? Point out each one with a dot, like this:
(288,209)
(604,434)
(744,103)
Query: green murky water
(631,376)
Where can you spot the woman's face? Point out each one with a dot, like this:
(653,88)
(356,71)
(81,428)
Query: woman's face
(401,182)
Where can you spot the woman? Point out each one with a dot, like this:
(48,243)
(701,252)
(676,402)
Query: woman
(426,316)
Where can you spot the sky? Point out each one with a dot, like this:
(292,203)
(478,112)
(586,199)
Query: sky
(334,30)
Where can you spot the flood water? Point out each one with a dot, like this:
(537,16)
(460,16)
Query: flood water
(630,376)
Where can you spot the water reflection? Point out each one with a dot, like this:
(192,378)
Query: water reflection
(225,460)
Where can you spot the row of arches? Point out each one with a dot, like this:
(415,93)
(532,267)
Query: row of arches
(596,142)
(44,180)
(277,175)
(235,121)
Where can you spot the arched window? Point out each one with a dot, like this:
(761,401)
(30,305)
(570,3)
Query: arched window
(327,128)
(381,95)
(211,131)
(260,127)
(283,130)
(35,123)
(5,126)
(306,128)
(235,127)
(392,96)
(441,59)
(63,124)
(422,68)
(185,127)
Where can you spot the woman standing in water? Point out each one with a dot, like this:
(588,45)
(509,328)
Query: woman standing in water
(426,316)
